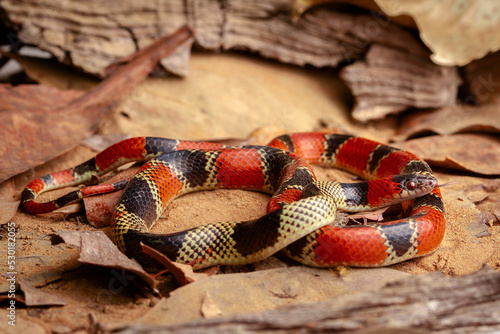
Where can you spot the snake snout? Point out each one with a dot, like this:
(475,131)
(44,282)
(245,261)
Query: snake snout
(420,184)
(428,181)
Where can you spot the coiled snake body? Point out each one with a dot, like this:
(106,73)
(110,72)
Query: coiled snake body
(301,212)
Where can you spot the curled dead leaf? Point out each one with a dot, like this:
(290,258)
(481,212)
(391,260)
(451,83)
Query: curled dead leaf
(456,31)
(40,122)
(97,249)
(477,153)
(452,119)
(183,273)
(209,309)
(52,73)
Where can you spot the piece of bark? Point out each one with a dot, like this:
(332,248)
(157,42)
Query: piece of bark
(422,304)
(183,273)
(389,80)
(96,36)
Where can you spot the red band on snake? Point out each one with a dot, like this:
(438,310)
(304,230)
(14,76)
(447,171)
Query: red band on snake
(301,212)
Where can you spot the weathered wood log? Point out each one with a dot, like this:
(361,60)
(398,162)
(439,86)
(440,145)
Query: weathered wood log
(91,36)
(421,304)
(483,79)
(389,80)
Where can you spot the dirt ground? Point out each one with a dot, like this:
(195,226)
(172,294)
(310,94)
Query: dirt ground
(230,96)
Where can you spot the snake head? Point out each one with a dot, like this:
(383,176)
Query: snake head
(415,185)
(399,188)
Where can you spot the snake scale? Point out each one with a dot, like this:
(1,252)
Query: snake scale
(301,212)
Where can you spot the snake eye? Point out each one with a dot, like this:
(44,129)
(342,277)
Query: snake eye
(411,185)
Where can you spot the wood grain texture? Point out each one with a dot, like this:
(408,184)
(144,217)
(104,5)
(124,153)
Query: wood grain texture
(390,80)
(397,73)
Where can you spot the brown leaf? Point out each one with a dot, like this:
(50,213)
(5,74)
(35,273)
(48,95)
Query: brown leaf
(485,194)
(52,73)
(8,203)
(376,215)
(98,208)
(37,297)
(41,123)
(391,80)
(468,152)
(69,209)
(452,119)
(183,273)
(97,249)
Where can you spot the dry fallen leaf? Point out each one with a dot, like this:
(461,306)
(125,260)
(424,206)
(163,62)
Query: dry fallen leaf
(476,226)
(209,309)
(97,249)
(37,297)
(99,208)
(484,193)
(41,122)
(29,98)
(482,78)
(99,142)
(452,119)
(456,31)
(477,153)
(376,215)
